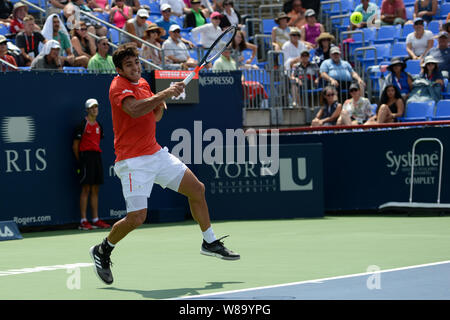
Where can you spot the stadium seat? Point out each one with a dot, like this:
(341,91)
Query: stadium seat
(383,52)
(399,50)
(442,110)
(413,66)
(24,68)
(409,13)
(268,24)
(3,29)
(434,26)
(444,10)
(407,29)
(114,35)
(247,53)
(409,3)
(387,34)
(418,111)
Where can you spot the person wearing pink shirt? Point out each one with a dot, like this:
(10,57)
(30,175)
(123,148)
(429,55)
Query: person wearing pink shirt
(393,12)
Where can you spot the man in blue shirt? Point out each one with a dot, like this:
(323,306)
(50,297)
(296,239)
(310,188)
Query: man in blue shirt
(165,21)
(339,73)
(369,12)
(442,53)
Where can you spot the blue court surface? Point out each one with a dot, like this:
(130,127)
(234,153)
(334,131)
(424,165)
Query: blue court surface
(421,282)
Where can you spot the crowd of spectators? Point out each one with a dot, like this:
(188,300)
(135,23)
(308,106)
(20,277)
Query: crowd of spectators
(311,57)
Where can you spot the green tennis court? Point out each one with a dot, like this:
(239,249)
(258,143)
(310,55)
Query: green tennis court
(162,261)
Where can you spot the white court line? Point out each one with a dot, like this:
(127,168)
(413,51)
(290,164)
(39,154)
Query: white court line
(44,268)
(314,281)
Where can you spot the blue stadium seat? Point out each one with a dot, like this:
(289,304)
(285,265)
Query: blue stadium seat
(418,111)
(154,5)
(24,68)
(409,3)
(247,53)
(383,52)
(268,24)
(3,29)
(413,66)
(444,10)
(387,34)
(114,35)
(434,26)
(399,50)
(442,110)
(409,13)
(407,29)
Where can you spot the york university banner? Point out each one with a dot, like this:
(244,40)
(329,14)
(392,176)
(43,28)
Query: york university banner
(292,188)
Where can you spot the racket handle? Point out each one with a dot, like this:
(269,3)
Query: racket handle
(189,78)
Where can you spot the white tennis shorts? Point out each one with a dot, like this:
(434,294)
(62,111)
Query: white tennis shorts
(138,174)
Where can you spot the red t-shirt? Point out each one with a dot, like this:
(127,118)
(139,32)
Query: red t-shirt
(15,26)
(90,140)
(390,8)
(133,137)
(8,58)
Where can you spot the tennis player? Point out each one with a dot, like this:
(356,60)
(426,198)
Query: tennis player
(141,162)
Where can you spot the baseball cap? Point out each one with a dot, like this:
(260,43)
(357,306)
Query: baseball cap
(3,39)
(442,34)
(310,13)
(90,103)
(174,27)
(335,50)
(294,30)
(215,14)
(418,20)
(142,13)
(165,6)
(53,44)
(353,86)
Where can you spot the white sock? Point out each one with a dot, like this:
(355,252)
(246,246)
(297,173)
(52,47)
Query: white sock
(94,220)
(110,244)
(209,235)
(83,220)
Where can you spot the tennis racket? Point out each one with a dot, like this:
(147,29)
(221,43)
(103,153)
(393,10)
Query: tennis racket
(213,52)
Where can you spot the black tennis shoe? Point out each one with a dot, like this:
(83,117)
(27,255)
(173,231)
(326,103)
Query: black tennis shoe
(102,263)
(217,249)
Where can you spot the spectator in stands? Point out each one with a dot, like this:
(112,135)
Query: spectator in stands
(324,45)
(307,4)
(28,41)
(425,9)
(297,14)
(99,5)
(225,62)
(152,35)
(5,56)
(195,18)
(338,72)
(20,10)
(83,44)
(206,6)
(391,106)
(55,6)
(49,58)
(311,30)
(292,48)
(430,71)
(6,8)
(120,13)
(102,60)
(442,53)
(419,42)
(280,33)
(356,110)
(176,51)
(136,26)
(240,44)
(54,30)
(94,26)
(398,77)
(369,12)
(208,32)
(230,16)
(87,151)
(393,12)
(165,21)
(304,75)
(331,110)
(178,7)
(133,4)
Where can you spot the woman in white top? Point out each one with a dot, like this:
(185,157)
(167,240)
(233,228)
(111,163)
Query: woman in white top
(208,32)
(419,42)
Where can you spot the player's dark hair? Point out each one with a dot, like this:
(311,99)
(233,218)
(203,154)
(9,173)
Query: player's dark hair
(124,51)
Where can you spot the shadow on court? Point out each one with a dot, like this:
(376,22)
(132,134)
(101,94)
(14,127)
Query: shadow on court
(174,293)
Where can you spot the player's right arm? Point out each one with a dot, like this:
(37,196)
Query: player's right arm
(137,108)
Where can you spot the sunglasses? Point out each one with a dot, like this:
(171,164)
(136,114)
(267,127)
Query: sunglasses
(83,29)
(176,31)
(353,90)
(167,10)
(329,95)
